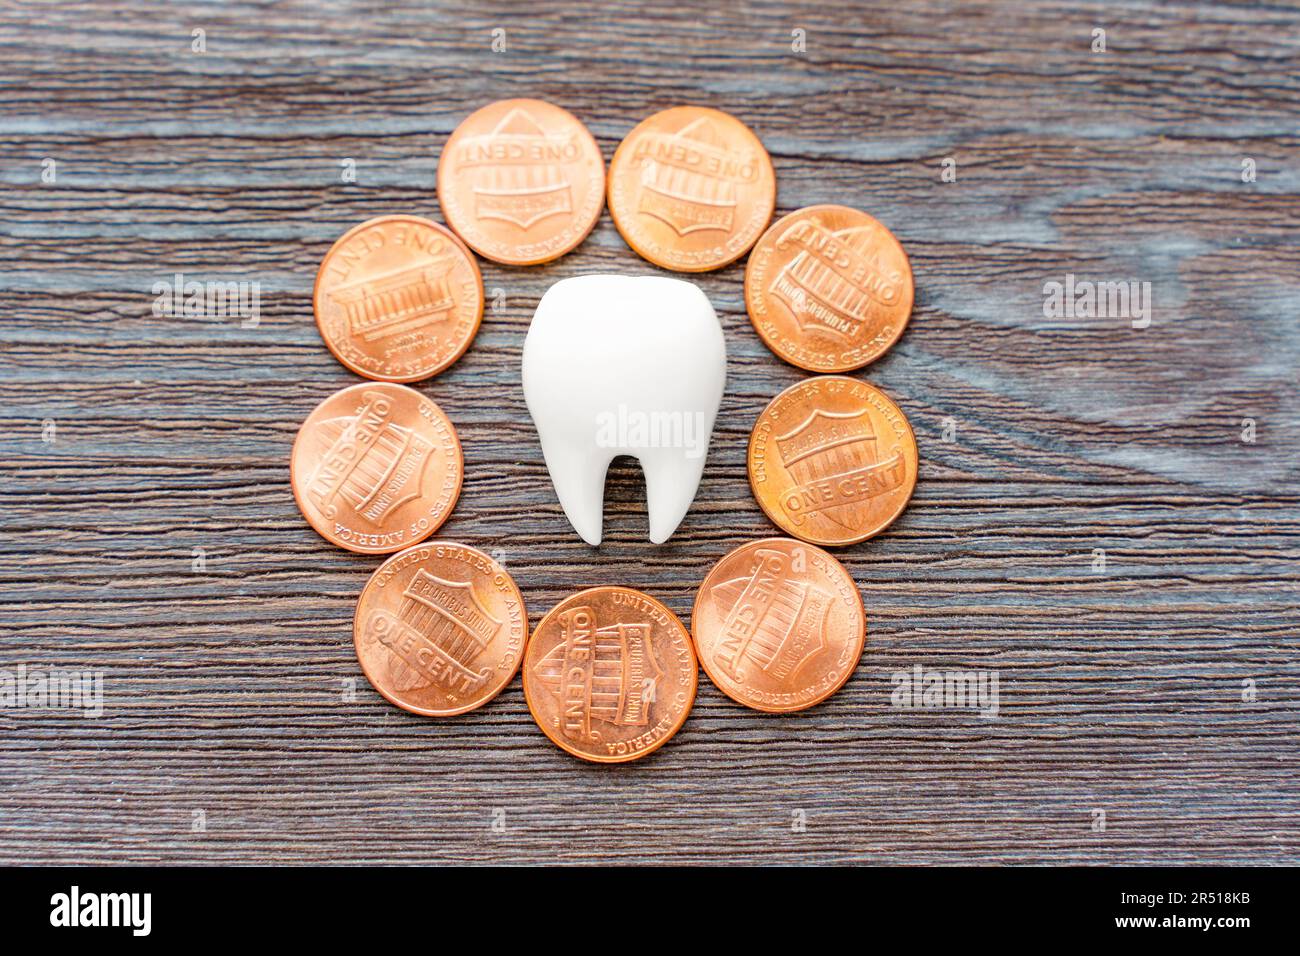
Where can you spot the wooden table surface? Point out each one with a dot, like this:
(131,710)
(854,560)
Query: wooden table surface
(1149,708)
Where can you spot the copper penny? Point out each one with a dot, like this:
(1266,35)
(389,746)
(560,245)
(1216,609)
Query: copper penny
(398,299)
(610,674)
(440,629)
(691,189)
(832,460)
(376,468)
(778,625)
(521,181)
(828,288)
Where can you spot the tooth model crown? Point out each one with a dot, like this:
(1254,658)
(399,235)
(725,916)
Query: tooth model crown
(622,365)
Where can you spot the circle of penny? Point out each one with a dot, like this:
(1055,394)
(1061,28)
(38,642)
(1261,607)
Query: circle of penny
(828,288)
(521,181)
(832,460)
(610,674)
(376,467)
(440,629)
(778,625)
(398,299)
(691,189)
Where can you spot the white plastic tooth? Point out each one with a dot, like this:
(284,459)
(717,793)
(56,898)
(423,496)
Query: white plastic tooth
(621,365)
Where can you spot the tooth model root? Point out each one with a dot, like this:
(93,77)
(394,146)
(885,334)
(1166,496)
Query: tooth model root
(621,365)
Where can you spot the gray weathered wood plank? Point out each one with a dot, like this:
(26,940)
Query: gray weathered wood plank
(225,694)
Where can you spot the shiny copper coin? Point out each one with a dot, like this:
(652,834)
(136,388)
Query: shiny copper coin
(778,625)
(691,189)
(521,181)
(376,468)
(398,299)
(828,288)
(610,674)
(832,460)
(440,629)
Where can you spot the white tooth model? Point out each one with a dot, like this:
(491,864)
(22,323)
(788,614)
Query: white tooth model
(623,365)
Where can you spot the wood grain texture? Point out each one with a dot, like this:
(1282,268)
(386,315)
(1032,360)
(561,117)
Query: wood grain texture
(1120,691)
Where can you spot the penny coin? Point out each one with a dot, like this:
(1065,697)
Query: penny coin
(440,629)
(832,460)
(398,299)
(521,181)
(610,674)
(828,288)
(778,625)
(376,468)
(691,189)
